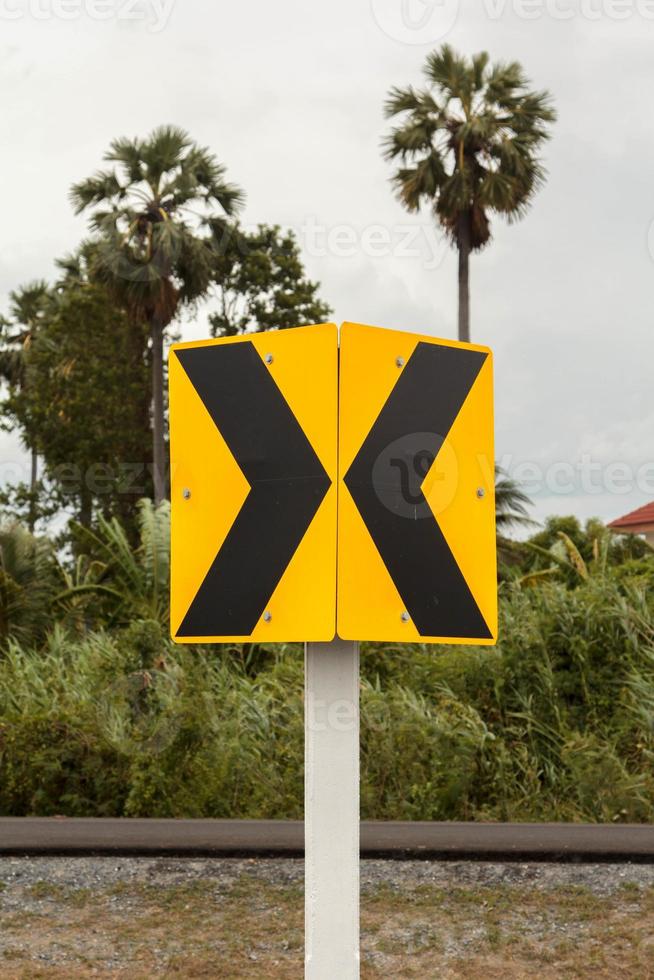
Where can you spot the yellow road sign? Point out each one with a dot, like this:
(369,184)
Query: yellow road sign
(416,521)
(253,443)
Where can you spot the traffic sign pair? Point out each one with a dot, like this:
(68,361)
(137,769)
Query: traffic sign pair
(321,489)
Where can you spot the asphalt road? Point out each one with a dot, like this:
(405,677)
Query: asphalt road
(285,838)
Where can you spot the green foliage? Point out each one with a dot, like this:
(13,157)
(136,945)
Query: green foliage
(28,579)
(467,146)
(129,725)
(420,753)
(82,362)
(566,550)
(556,723)
(553,724)
(468,143)
(261,283)
(29,307)
(85,400)
(511,503)
(148,245)
(32,506)
(511,511)
(101,714)
(153,219)
(113,582)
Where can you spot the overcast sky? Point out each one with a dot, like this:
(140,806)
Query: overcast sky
(289,96)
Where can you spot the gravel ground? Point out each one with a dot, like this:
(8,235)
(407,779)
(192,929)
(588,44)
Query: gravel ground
(18,874)
(65,918)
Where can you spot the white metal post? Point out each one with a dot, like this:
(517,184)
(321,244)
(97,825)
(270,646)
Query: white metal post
(331,810)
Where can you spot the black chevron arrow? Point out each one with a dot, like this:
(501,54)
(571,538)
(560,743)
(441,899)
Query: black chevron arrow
(385,482)
(287,485)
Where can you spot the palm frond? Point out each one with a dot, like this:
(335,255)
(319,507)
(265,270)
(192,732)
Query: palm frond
(469,143)
(103,186)
(149,249)
(511,503)
(154,524)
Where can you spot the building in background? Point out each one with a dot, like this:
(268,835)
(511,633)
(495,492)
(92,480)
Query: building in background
(639,522)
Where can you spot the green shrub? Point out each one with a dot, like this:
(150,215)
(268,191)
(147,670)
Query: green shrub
(555,723)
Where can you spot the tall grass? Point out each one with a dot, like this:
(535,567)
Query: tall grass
(556,723)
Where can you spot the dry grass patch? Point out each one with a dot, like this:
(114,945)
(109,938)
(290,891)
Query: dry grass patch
(249,924)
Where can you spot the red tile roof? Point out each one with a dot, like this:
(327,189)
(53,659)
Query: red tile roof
(644,515)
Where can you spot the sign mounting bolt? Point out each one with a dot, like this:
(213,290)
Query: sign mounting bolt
(405,617)
(186,493)
(269,358)
(481,492)
(399,361)
(267,616)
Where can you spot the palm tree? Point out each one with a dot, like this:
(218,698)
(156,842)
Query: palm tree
(28,585)
(511,503)
(148,213)
(27,308)
(467,146)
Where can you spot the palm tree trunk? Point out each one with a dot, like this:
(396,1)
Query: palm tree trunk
(463,241)
(34,473)
(158,446)
(85,508)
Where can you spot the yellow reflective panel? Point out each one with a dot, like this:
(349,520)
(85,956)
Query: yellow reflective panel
(467,519)
(416,527)
(200,462)
(253,486)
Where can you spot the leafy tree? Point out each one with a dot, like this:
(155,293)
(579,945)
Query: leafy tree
(571,527)
(28,309)
(87,401)
(467,146)
(262,284)
(33,506)
(148,213)
(566,548)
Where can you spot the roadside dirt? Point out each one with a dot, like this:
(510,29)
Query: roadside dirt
(65,918)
